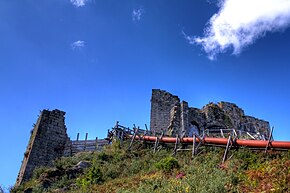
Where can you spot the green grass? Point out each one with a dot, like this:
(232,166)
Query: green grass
(140,170)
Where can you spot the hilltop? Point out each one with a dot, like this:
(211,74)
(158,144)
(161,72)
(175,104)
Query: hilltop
(115,169)
(169,117)
(55,163)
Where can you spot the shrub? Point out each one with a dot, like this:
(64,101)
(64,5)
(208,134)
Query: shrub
(103,156)
(38,189)
(167,164)
(63,182)
(66,162)
(93,176)
(38,171)
(135,167)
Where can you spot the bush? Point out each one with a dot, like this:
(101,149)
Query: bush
(38,189)
(93,176)
(167,164)
(38,171)
(249,160)
(67,162)
(103,156)
(63,182)
(135,167)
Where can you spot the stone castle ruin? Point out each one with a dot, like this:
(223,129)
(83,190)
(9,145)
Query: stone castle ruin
(47,142)
(173,117)
(49,139)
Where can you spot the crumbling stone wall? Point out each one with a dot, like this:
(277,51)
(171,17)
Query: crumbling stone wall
(196,118)
(174,125)
(161,104)
(235,113)
(216,117)
(178,118)
(47,142)
(252,124)
(184,117)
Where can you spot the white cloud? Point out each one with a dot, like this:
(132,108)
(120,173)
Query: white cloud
(239,23)
(79,3)
(188,38)
(78,44)
(137,14)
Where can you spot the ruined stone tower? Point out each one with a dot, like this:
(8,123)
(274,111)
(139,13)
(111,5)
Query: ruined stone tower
(173,117)
(47,142)
(161,104)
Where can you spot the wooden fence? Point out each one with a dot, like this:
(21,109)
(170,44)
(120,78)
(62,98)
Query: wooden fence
(87,145)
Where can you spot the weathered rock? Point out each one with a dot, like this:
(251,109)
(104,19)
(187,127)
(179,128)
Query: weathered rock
(59,190)
(28,190)
(83,164)
(74,171)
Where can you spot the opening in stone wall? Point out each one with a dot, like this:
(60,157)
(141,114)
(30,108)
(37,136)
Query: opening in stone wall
(193,128)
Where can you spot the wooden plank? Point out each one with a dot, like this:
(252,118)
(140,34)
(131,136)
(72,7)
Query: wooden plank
(135,132)
(251,135)
(222,133)
(91,141)
(227,149)
(86,141)
(269,141)
(122,137)
(193,145)
(184,150)
(97,145)
(157,142)
(235,132)
(176,144)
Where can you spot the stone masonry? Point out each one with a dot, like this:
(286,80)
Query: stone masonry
(47,142)
(173,117)
(161,105)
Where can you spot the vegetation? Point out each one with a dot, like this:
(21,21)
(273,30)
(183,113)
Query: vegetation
(167,164)
(117,170)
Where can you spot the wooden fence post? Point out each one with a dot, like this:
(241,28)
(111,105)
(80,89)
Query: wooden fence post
(133,137)
(78,135)
(227,149)
(86,141)
(176,144)
(122,137)
(193,145)
(97,145)
(269,140)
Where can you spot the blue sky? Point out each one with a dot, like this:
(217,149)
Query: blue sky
(99,60)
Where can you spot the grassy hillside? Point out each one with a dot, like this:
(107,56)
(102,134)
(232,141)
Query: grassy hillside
(117,170)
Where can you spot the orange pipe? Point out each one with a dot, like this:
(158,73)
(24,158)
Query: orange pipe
(223,141)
